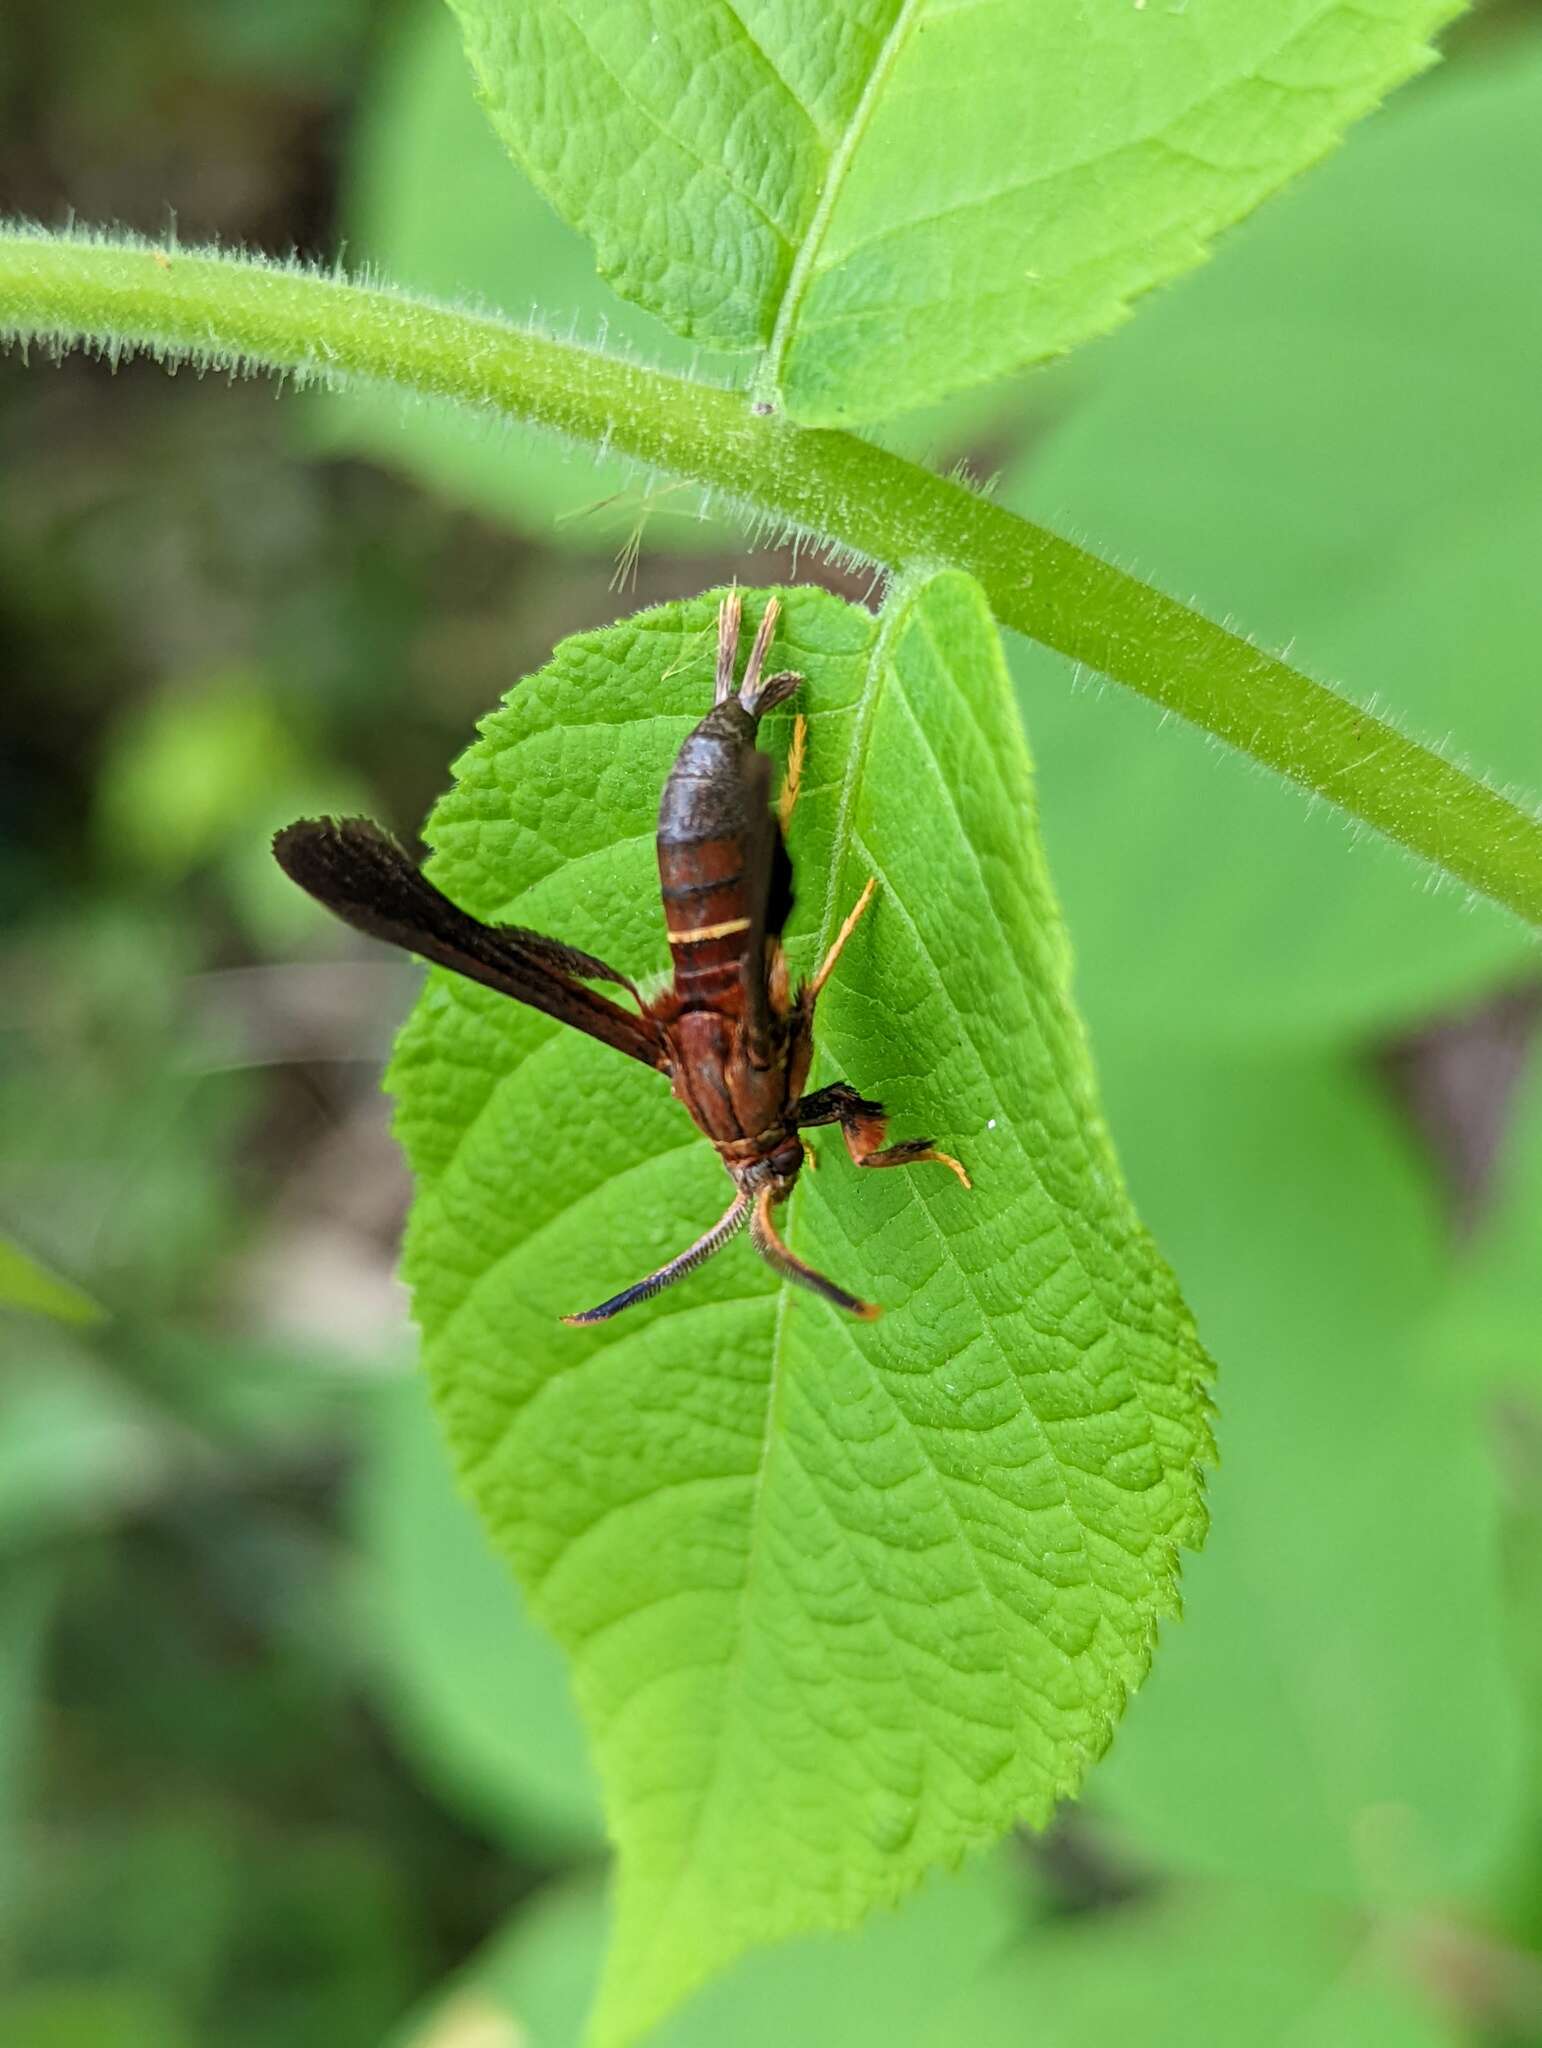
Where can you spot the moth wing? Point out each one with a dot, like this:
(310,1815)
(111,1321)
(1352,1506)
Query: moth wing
(359,873)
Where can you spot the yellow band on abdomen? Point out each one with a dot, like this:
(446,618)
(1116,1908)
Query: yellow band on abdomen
(709,931)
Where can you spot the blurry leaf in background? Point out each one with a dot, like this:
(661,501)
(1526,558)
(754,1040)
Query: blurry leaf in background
(186,768)
(1518,1888)
(204,773)
(29,1589)
(1336,1707)
(297,1934)
(827,1636)
(117,1148)
(1487,1344)
(327,1939)
(93,2013)
(1488,1334)
(977,1959)
(27,1284)
(753,179)
(302,41)
(78,1445)
(1292,437)
(1198,1967)
(480,1695)
(150,1889)
(871,1989)
(435,204)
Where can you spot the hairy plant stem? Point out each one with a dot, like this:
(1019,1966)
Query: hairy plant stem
(239,314)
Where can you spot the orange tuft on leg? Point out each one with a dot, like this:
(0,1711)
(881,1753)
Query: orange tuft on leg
(787,801)
(828,965)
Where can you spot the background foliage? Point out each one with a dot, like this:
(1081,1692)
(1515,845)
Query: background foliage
(280,1759)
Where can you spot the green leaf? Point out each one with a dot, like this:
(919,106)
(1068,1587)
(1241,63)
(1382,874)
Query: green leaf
(1337,1705)
(1293,439)
(478,1691)
(751,174)
(842,1598)
(27,1284)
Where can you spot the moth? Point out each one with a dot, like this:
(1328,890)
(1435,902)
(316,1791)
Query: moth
(730,1033)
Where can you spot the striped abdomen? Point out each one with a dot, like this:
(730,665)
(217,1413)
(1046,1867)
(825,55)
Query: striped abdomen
(715,836)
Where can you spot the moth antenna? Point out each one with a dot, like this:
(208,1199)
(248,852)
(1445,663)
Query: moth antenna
(728,1225)
(776,1255)
(756,696)
(758,652)
(728,615)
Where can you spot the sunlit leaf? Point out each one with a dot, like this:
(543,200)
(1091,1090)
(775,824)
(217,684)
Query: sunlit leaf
(842,1598)
(751,174)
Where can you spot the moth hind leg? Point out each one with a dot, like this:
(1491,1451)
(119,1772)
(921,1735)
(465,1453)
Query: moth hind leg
(763,1235)
(864,1126)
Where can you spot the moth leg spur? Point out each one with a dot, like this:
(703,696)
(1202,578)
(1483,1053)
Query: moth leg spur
(864,1127)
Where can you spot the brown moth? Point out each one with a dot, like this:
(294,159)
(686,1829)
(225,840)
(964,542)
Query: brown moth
(732,1035)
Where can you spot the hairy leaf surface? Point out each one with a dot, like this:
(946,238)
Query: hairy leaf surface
(892,199)
(842,1599)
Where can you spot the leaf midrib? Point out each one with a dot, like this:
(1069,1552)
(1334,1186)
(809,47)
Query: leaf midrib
(872,691)
(766,385)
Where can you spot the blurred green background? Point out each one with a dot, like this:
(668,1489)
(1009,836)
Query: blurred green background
(280,1761)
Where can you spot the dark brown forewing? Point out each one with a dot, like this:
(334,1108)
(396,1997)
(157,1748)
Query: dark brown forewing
(362,876)
(769,891)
